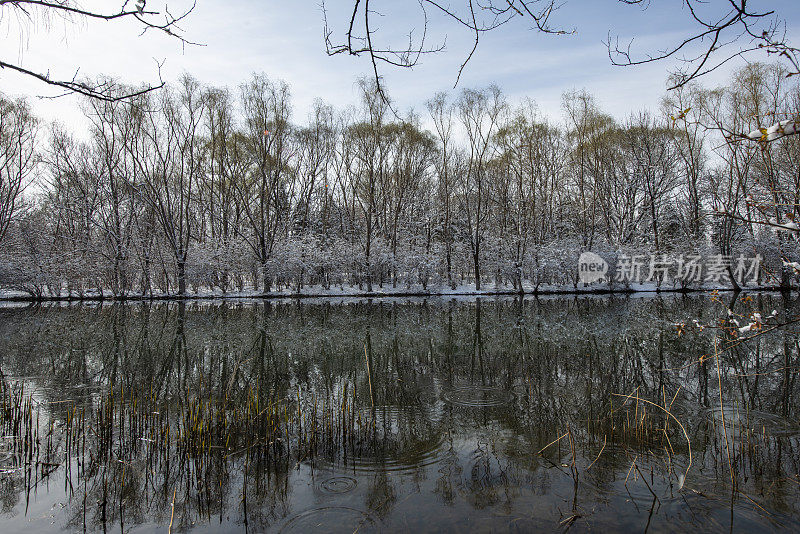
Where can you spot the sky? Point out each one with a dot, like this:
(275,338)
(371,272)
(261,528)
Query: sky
(284,40)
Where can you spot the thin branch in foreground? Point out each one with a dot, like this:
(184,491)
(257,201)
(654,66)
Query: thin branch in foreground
(106,91)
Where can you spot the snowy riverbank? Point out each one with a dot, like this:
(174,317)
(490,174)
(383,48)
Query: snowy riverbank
(379,292)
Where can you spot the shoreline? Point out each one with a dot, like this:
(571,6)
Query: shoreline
(18,296)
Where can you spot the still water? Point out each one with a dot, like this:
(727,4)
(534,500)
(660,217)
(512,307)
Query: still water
(401,415)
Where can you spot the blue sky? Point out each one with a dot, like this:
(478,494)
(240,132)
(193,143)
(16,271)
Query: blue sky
(285,40)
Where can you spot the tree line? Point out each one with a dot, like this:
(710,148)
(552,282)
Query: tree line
(195,188)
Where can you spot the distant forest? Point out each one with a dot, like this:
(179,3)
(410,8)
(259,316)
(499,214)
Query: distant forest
(195,188)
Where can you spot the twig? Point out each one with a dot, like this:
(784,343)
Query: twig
(172,515)
(553,442)
(599,453)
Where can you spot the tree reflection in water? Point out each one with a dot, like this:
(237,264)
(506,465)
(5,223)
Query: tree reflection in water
(399,414)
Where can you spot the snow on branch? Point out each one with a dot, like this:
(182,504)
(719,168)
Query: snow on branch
(776,131)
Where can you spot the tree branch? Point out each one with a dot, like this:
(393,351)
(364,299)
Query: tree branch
(104,90)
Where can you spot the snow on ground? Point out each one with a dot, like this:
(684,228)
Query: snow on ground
(385,291)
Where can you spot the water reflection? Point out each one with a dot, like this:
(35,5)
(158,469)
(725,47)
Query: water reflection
(430,415)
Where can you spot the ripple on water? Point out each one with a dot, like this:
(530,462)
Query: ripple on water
(478,396)
(402,440)
(337,485)
(331,519)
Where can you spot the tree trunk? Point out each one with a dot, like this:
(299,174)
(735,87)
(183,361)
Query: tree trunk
(475,259)
(182,276)
(265,278)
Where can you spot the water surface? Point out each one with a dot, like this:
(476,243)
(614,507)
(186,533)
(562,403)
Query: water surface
(400,415)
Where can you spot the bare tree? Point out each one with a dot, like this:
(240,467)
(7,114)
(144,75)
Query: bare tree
(115,126)
(527,179)
(267,111)
(651,148)
(370,155)
(617,184)
(479,112)
(441,111)
(683,106)
(411,157)
(316,144)
(227,165)
(172,162)
(586,125)
(74,199)
(186,189)
(18,136)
